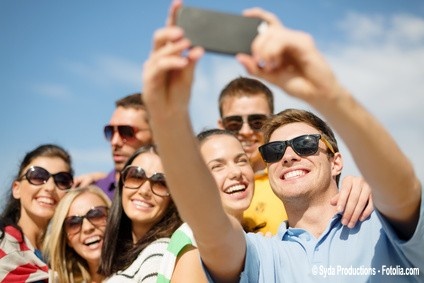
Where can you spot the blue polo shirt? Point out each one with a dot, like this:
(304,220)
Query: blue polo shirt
(370,252)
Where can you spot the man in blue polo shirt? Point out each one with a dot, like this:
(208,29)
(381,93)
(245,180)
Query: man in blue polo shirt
(303,163)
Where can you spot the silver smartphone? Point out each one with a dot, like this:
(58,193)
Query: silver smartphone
(217,31)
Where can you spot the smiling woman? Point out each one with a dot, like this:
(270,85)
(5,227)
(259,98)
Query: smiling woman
(142,219)
(73,247)
(44,177)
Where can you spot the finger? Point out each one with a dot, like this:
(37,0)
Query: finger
(269,17)
(172,14)
(359,208)
(344,194)
(368,210)
(169,34)
(334,201)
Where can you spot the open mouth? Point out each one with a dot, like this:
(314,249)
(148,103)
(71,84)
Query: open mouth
(92,241)
(236,189)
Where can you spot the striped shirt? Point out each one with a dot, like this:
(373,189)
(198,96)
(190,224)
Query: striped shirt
(145,267)
(18,259)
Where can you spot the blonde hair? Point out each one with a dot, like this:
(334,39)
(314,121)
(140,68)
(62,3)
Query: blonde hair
(63,261)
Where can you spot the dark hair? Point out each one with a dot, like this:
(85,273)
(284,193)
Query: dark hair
(118,251)
(131,101)
(12,212)
(290,116)
(243,86)
(205,134)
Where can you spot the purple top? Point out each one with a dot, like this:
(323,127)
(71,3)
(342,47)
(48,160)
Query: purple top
(108,184)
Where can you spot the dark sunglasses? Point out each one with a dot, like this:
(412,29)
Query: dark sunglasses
(96,216)
(39,176)
(303,146)
(133,177)
(126,132)
(235,123)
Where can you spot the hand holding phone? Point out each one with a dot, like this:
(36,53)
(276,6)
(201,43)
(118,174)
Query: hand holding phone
(219,32)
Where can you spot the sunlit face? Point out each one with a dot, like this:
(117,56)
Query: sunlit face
(38,202)
(89,240)
(140,205)
(297,176)
(243,106)
(233,174)
(121,151)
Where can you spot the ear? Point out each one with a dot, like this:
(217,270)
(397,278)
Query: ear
(337,164)
(220,125)
(16,189)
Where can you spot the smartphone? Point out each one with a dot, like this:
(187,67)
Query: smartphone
(219,32)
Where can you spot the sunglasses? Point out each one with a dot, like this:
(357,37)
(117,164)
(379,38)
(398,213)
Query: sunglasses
(126,132)
(96,216)
(235,123)
(38,176)
(133,177)
(303,146)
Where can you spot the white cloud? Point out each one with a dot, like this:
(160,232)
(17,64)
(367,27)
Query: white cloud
(108,70)
(52,90)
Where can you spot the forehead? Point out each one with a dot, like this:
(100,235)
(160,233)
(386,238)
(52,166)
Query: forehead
(128,116)
(51,164)
(149,161)
(220,146)
(84,202)
(290,131)
(245,105)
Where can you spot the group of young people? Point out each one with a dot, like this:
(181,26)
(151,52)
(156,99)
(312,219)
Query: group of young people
(189,207)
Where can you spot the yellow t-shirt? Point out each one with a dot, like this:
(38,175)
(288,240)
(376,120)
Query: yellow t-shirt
(266,210)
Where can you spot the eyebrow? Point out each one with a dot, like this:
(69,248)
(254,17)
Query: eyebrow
(221,160)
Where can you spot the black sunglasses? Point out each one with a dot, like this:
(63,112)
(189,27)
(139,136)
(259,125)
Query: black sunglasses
(38,176)
(133,177)
(126,132)
(96,216)
(303,146)
(235,123)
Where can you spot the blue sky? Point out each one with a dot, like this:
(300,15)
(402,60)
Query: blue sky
(63,64)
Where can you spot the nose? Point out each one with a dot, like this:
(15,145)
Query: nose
(245,129)
(86,226)
(50,185)
(290,155)
(116,139)
(145,189)
(234,171)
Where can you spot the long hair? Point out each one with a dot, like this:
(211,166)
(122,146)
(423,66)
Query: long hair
(12,211)
(68,265)
(119,251)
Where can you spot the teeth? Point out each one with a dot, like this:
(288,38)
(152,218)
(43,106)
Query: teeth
(235,188)
(139,203)
(46,200)
(294,174)
(92,240)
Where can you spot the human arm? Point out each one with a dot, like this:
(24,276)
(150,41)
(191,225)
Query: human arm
(290,60)
(188,267)
(167,79)
(88,179)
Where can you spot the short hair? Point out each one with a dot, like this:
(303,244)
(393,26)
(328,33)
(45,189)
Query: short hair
(62,259)
(131,101)
(290,116)
(243,86)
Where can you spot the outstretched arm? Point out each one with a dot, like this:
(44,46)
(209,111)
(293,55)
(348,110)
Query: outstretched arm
(290,60)
(167,80)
